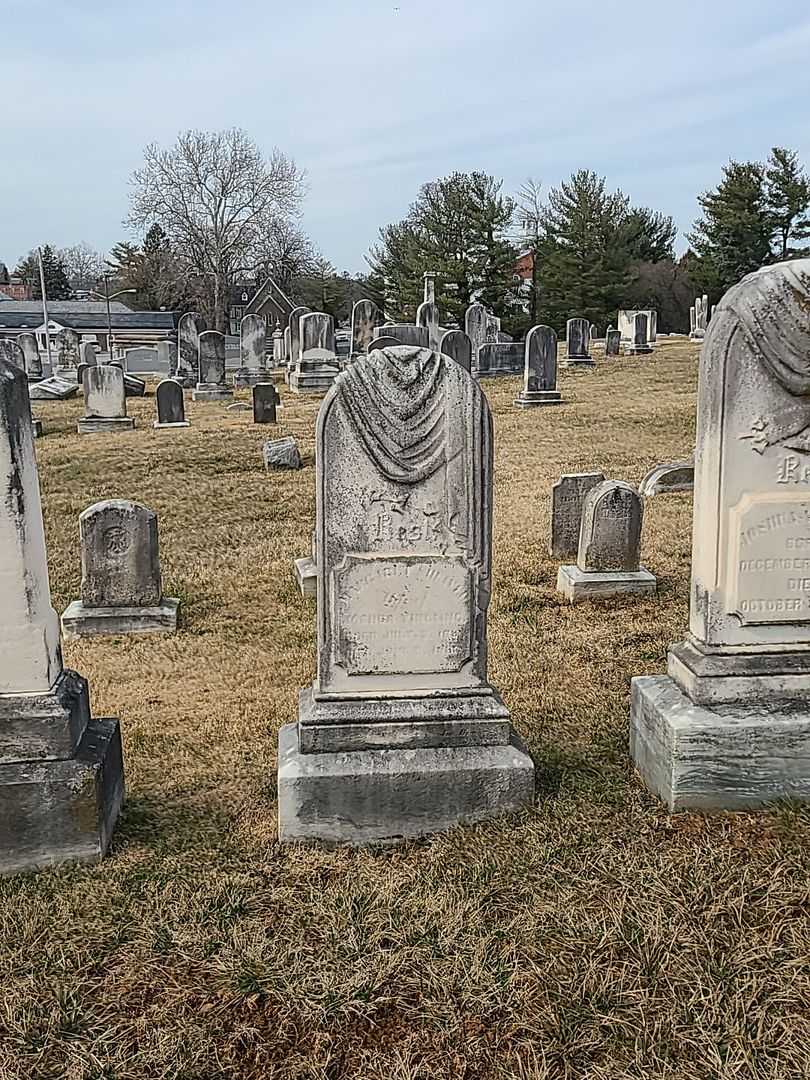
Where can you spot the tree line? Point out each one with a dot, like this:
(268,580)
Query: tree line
(214,211)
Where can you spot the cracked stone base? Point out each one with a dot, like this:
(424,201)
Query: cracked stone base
(528,399)
(578,585)
(211,393)
(79,620)
(383,797)
(62,811)
(741,756)
(92,425)
(306,574)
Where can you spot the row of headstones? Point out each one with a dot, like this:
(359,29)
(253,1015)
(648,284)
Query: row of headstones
(699,317)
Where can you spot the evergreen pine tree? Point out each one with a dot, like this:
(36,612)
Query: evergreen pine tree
(787,190)
(57,285)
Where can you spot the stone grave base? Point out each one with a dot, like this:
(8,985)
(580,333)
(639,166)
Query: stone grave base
(528,399)
(180,423)
(211,393)
(578,585)
(64,810)
(91,425)
(580,364)
(638,350)
(306,574)
(242,379)
(716,678)
(313,381)
(739,756)
(383,797)
(79,620)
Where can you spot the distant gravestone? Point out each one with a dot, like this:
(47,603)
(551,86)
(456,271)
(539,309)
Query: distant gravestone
(500,358)
(281,454)
(31,356)
(728,728)
(11,352)
(567,502)
(427,316)
(366,317)
(457,346)
(295,333)
(626,324)
(189,328)
(609,547)
(278,346)
(577,335)
(613,341)
(141,359)
(88,354)
(540,369)
(67,353)
(678,476)
(406,334)
(105,403)
(253,351)
(475,327)
(265,401)
(640,343)
(171,409)
(54,389)
(121,586)
(404,565)
(166,358)
(317,367)
(61,772)
(212,385)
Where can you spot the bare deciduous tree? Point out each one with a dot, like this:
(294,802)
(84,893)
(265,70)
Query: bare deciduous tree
(217,198)
(84,266)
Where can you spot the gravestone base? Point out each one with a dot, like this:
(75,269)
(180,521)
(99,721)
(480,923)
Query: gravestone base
(81,620)
(306,574)
(528,399)
(717,678)
(578,585)
(312,382)
(740,756)
(92,425)
(35,378)
(580,363)
(697,335)
(384,797)
(638,350)
(55,811)
(211,393)
(177,424)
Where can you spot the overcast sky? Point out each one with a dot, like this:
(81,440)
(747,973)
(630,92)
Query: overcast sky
(374,99)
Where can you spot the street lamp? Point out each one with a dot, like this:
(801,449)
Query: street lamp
(106,296)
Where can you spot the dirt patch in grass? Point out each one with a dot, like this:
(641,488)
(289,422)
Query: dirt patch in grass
(593,936)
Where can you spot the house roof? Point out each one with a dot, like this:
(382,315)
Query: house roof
(84,320)
(64,307)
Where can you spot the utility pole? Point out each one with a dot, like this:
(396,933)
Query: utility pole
(45,308)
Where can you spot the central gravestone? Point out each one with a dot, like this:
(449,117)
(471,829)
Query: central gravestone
(729,726)
(401,734)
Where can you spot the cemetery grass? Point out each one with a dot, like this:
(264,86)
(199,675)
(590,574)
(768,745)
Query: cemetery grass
(593,936)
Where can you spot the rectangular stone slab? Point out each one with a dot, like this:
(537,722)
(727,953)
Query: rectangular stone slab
(387,796)
(579,585)
(62,811)
(732,757)
(81,620)
(38,726)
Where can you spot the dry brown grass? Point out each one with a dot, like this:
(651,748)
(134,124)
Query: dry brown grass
(594,937)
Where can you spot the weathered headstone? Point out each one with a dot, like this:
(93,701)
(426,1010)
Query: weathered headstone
(171,407)
(500,358)
(11,352)
(664,478)
(105,402)
(609,547)
(67,353)
(253,351)
(317,367)
(613,341)
(88,354)
(626,324)
(189,328)
(692,321)
(278,346)
(281,454)
(540,369)
(61,773)
(212,385)
(429,279)
(31,356)
(567,502)
(401,734)
(577,333)
(143,359)
(475,327)
(640,344)
(54,389)
(405,334)
(700,320)
(295,334)
(383,342)
(121,585)
(457,345)
(427,316)
(366,317)
(166,358)
(265,401)
(729,727)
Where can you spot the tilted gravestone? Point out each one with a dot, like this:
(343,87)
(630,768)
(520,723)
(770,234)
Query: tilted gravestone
(609,547)
(31,356)
(189,328)
(281,454)
(577,335)
(121,585)
(212,385)
(475,327)
(401,733)
(265,402)
(171,406)
(567,502)
(540,369)
(317,366)
(729,726)
(253,351)
(61,772)
(67,353)
(640,343)
(366,317)
(613,341)
(105,402)
(458,347)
